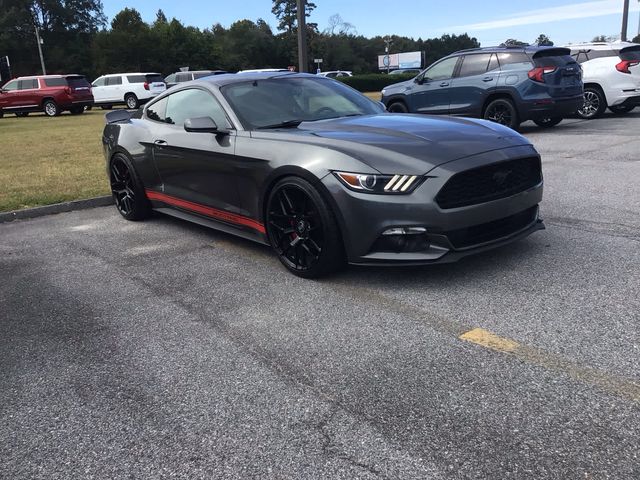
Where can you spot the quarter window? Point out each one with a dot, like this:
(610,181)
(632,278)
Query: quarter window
(183,77)
(441,70)
(514,60)
(156,111)
(194,103)
(135,78)
(474,64)
(55,82)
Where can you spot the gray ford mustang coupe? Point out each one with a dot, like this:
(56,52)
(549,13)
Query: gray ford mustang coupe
(321,173)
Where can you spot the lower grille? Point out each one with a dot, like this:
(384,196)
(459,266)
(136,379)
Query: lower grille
(490,182)
(487,232)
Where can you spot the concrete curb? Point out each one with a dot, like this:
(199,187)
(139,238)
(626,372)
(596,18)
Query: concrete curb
(56,208)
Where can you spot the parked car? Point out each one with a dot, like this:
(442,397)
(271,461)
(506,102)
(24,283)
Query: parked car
(130,89)
(405,71)
(611,77)
(180,77)
(336,73)
(322,173)
(507,85)
(51,94)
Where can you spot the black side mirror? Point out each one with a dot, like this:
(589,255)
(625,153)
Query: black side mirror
(203,125)
(419,80)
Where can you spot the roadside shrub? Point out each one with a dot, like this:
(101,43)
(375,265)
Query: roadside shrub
(373,82)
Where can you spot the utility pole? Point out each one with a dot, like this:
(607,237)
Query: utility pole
(40,42)
(387,42)
(302,36)
(625,19)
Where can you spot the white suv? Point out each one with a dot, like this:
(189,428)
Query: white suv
(611,76)
(131,89)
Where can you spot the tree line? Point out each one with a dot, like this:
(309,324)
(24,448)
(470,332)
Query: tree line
(77,39)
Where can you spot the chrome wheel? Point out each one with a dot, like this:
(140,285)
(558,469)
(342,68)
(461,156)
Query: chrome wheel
(50,108)
(594,104)
(132,102)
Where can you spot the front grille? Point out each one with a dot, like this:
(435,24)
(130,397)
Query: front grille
(490,182)
(487,232)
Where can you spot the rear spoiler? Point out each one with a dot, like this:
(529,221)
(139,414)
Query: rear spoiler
(119,116)
(552,52)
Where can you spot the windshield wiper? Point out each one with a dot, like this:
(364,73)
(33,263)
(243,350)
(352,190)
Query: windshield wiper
(285,124)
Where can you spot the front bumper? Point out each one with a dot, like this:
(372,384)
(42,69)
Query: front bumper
(364,217)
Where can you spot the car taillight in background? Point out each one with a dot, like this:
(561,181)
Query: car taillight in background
(537,74)
(146,85)
(624,65)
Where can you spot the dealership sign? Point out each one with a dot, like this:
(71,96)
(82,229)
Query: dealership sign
(400,60)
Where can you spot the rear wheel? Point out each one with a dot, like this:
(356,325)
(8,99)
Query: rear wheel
(22,114)
(51,109)
(548,122)
(502,111)
(398,107)
(132,101)
(594,103)
(106,107)
(303,230)
(127,189)
(621,109)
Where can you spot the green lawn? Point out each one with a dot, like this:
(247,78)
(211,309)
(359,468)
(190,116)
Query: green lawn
(49,160)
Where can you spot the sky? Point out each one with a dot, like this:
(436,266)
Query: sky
(490,21)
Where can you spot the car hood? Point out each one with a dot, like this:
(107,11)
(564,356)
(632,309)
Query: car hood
(403,143)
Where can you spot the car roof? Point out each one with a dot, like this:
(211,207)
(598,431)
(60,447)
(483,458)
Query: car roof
(31,77)
(507,49)
(601,45)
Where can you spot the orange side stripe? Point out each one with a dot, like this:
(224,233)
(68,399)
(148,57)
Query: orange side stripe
(205,210)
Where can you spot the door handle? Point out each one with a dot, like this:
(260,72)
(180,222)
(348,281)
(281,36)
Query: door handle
(160,143)
(487,79)
(444,84)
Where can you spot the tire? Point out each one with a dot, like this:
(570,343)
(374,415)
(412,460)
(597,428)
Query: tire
(22,114)
(89,108)
(397,107)
(77,110)
(547,122)
(594,104)
(303,230)
(127,189)
(502,111)
(621,109)
(51,108)
(131,101)
(106,107)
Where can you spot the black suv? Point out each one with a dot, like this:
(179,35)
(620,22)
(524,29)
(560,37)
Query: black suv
(507,85)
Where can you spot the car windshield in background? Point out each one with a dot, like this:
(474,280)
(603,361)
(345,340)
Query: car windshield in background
(285,101)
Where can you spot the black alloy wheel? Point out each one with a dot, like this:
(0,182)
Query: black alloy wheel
(302,230)
(502,111)
(128,193)
(398,107)
(547,122)
(621,109)
(594,104)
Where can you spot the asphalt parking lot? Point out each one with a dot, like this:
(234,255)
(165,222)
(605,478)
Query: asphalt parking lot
(164,350)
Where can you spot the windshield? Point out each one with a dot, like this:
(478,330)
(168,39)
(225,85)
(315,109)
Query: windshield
(275,101)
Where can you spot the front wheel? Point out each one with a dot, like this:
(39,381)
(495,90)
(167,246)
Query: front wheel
(621,109)
(132,101)
(502,111)
(51,109)
(594,104)
(77,110)
(398,107)
(548,122)
(302,229)
(127,189)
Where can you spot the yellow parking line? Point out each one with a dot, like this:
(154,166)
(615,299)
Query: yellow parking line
(489,340)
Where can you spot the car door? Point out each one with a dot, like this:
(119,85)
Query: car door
(477,75)
(194,167)
(9,95)
(27,96)
(430,90)
(113,89)
(99,90)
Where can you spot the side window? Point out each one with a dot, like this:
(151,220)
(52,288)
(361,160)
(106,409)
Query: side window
(441,70)
(183,77)
(474,64)
(100,82)
(13,85)
(136,78)
(156,111)
(193,103)
(171,78)
(581,57)
(28,84)
(514,60)
(593,54)
(114,81)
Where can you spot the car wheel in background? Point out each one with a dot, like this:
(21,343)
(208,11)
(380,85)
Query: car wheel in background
(547,122)
(594,103)
(620,109)
(398,107)
(127,189)
(76,110)
(22,114)
(132,101)
(106,107)
(502,111)
(302,229)
(51,109)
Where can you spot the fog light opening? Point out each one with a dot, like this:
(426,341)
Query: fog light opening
(402,240)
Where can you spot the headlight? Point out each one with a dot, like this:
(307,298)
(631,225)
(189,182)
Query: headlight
(390,184)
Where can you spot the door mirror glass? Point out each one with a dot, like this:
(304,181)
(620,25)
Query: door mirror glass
(202,125)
